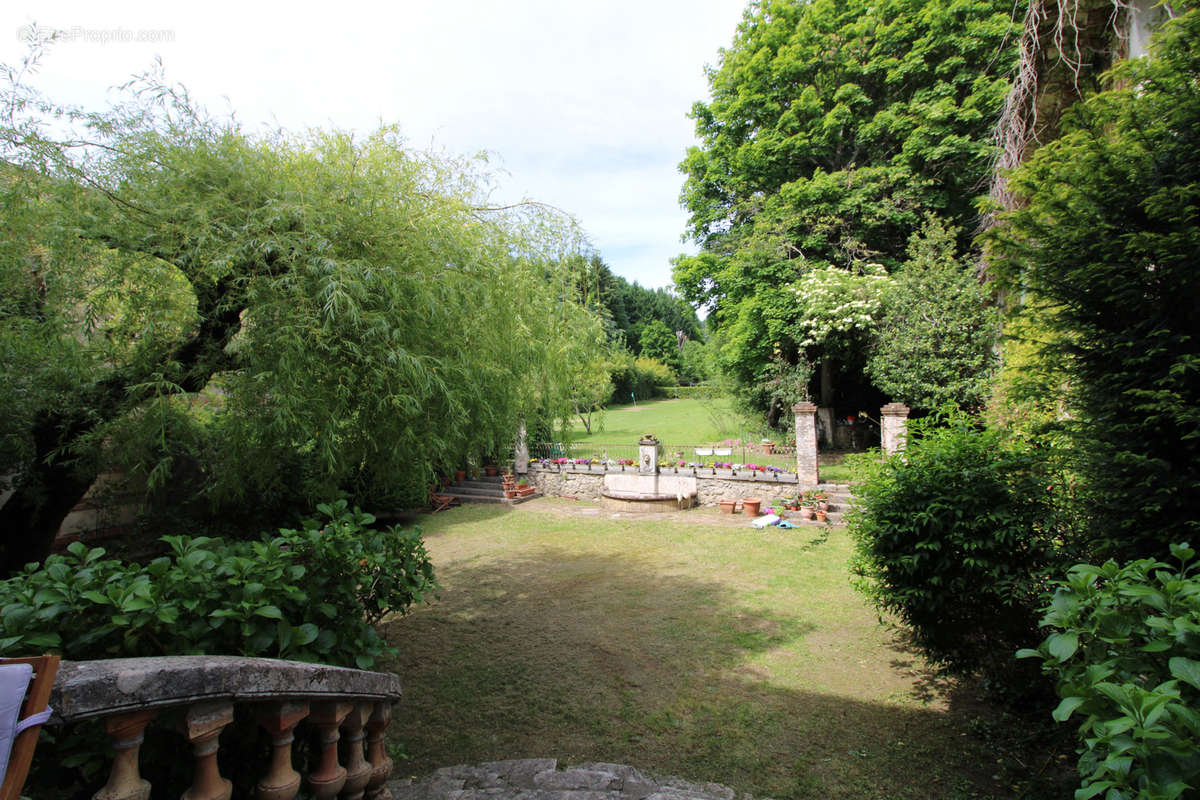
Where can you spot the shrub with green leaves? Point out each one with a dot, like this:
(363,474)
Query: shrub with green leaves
(954,538)
(1125,650)
(311,594)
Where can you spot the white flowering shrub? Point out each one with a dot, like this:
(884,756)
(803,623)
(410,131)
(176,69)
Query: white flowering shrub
(835,304)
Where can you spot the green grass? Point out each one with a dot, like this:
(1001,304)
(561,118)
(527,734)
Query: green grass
(688,421)
(703,649)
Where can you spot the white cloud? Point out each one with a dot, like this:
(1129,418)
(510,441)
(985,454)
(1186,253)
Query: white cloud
(584,103)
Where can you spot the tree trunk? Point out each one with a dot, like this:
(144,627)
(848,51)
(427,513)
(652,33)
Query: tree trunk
(45,493)
(50,487)
(826,383)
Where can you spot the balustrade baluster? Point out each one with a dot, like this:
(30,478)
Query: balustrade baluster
(358,771)
(281,782)
(202,726)
(125,781)
(381,765)
(330,776)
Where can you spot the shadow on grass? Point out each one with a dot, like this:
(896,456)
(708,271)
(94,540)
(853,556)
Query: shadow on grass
(583,657)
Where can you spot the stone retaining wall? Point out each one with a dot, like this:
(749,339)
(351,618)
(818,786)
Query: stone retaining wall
(583,486)
(710,491)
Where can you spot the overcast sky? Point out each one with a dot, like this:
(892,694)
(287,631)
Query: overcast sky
(582,104)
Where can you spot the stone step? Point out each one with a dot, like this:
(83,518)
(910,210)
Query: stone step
(482,482)
(471,491)
(540,779)
(480,497)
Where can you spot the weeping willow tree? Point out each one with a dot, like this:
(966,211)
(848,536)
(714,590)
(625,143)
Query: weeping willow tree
(256,322)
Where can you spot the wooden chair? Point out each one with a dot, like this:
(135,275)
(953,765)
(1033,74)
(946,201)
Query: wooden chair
(440,503)
(37,694)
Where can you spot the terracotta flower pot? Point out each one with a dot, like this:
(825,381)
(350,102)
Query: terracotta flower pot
(460,475)
(806,512)
(728,506)
(751,504)
(491,470)
(821,515)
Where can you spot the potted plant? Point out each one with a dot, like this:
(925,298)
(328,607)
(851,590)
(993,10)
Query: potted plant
(524,489)
(822,515)
(808,506)
(490,470)
(460,475)
(767,446)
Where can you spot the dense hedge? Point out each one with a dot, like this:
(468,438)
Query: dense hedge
(311,594)
(701,391)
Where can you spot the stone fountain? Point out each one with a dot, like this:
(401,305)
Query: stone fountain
(647,490)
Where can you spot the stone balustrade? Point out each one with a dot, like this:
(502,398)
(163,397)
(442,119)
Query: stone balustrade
(350,710)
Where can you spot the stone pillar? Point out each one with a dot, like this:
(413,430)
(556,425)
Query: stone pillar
(806,443)
(893,427)
(648,455)
(521,452)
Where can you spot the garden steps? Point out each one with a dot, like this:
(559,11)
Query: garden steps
(483,490)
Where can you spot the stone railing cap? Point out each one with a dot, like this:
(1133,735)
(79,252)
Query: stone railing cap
(85,689)
(804,407)
(898,409)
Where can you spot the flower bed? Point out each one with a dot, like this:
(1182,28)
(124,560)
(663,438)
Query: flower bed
(704,469)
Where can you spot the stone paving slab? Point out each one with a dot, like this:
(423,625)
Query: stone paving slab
(541,779)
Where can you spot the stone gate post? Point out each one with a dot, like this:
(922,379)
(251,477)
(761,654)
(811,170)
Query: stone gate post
(806,443)
(893,427)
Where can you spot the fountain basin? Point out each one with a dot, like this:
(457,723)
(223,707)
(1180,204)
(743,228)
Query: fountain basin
(649,492)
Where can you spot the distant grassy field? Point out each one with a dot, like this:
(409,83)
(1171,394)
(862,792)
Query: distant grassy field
(703,649)
(689,422)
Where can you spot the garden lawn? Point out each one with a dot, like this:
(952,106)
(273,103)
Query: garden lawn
(685,420)
(689,421)
(703,649)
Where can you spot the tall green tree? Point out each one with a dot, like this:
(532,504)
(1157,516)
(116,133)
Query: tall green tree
(936,335)
(363,318)
(658,342)
(1103,250)
(832,129)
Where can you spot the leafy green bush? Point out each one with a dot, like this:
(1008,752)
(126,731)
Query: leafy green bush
(641,377)
(954,538)
(1126,654)
(311,594)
